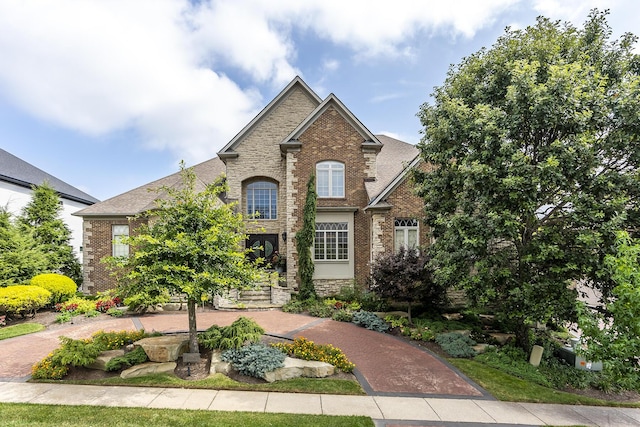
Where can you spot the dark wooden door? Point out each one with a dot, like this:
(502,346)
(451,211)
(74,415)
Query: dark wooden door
(263,245)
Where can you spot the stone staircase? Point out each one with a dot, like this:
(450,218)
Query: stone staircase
(261,296)
(265,297)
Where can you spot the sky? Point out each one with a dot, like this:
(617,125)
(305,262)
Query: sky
(108,95)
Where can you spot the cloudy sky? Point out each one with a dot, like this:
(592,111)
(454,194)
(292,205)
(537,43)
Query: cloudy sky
(108,95)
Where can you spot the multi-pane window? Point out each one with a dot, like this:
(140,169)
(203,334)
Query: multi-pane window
(332,241)
(406,234)
(262,200)
(119,232)
(330,179)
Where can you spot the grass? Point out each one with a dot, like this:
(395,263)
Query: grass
(222,382)
(20,329)
(23,415)
(506,387)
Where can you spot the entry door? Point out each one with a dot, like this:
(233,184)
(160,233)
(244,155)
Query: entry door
(263,245)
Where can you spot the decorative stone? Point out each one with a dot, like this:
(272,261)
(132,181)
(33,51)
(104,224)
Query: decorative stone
(104,358)
(452,316)
(217,365)
(166,348)
(148,369)
(481,348)
(294,368)
(502,338)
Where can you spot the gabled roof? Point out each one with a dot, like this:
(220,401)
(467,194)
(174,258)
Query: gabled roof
(394,161)
(143,198)
(297,82)
(18,172)
(333,101)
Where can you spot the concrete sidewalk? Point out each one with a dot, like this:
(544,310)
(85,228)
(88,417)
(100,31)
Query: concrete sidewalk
(385,410)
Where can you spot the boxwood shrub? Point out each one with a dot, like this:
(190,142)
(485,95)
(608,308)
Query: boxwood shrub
(23,299)
(61,287)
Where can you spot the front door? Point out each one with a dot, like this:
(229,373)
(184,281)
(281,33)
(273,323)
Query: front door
(262,245)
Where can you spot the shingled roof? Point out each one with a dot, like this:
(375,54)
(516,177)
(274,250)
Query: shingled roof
(18,172)
(143,198)
(392,161)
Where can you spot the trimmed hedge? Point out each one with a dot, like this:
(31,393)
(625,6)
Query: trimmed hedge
(61,287)
(23,299)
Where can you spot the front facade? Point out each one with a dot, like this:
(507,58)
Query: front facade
(365,204)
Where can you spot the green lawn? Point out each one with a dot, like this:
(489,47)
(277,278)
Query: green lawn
(21,329)
(26,415)
(222,382)
(512,389)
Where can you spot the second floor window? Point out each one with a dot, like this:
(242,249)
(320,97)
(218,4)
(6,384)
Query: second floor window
(330,179)
(262,200)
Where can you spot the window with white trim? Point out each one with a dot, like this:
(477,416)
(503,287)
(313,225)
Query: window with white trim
(119,232)
(330,179)
(405,234)
(331,242)
(262,200)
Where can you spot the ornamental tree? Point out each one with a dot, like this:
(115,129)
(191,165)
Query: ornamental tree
(190,246)
(304,242)
(534,151)
(41,217)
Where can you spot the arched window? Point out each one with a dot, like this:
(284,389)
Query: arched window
(330,179)
(262,200)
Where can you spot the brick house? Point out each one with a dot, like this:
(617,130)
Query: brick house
(365,204)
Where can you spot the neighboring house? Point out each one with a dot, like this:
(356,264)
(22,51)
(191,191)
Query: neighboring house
(17,179)
(365,204)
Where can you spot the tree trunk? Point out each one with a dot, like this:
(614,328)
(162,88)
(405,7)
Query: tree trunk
(523,336)
(193,329)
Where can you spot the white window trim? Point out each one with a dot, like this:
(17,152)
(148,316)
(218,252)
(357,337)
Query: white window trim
(405,225)
(274,213)
(328,167)
(337,233)
(117,234)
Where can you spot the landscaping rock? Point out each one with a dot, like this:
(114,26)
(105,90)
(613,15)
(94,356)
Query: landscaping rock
(165,348)
(294,368)
(502,338)
(148,369)
(217,365)
(452,316)
(104,358)
(481,348)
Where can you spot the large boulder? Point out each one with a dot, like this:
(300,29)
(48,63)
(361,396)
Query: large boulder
(217,365)
(166,348)
(104,358)
(148,369)
(294,368)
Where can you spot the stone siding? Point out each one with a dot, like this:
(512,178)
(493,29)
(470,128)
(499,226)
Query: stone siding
(326,287)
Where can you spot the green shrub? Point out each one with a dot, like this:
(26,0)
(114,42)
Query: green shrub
(117,340)
(243,330)
(342,315)
(254,360)
(76,352)
(302,348)
(134,357)
(369,320)
(456,345)
(318,309)
(64,317)
(23,299)
(114,312)
(367,300)
(48,369)
(77,305)
(143,302)
(61,287)
(295,306)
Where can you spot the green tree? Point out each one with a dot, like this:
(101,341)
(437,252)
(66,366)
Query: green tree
(304,242)
(41,216)
(613,335)
(21,257)
(190,246)
(534,148)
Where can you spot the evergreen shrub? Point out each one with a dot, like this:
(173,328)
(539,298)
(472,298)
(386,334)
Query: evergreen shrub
(456,345)
(61,287)
(370,320)
(23,299)
(254,360)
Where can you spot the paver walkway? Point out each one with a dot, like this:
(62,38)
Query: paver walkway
(385,364)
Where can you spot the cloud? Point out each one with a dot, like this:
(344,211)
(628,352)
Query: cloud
(186,76)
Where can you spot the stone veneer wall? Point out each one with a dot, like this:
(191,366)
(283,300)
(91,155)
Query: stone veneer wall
(98,244)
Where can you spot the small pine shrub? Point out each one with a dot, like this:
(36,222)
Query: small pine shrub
(254,360)
(342,315)
(302,348)
(61,287)
(76,352)
(134,357)
(456,345)
(243,330)
(23,300)
(369,320)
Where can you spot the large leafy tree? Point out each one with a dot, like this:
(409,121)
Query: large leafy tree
(535,149)
(21,257)
(191,246)
(41,217)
